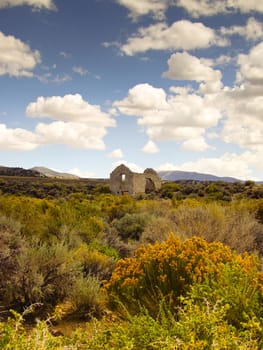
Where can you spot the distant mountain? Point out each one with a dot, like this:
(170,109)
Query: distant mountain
(51,173)
(15,171)
(176,175)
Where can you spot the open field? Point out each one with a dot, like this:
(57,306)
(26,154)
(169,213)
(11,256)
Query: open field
(177,269)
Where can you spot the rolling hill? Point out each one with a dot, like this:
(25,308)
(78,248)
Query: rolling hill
(176,175)
(52,173)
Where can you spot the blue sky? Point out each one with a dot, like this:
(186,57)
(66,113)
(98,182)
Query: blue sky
(167,84)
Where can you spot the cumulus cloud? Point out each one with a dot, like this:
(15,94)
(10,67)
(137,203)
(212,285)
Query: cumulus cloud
(17,139)
(183,66)
(210,8)
(243,104)
(244,124)
(75,135)
(138,8)
(178,36)
(253,30)
(142,97)
(229,164)
(69,108)
(196,145)
(117,153)
(251,65)
(170,117)
(16,57)
(37,4)
(195,8)
(150,147)
(77,124)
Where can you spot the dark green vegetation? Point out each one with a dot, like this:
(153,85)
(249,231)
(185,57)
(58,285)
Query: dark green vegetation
(178,269)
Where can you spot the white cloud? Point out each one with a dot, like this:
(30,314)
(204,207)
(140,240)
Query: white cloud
(196,145)
(229,164)
(139,8)
(185,90)
(252,31)
(142,97)
(69,108)
(183,66)
(77,123)
(223,60)
(243,104)
(195,8)
(178,36)
(168,117)
(251,65)
(210,8)
(17,58)
(117,153)
(132,166)
(244,124)
(75,135)
(17,139)
(37,4)
(84,174)
(245,132)
(80,70)
(150,147)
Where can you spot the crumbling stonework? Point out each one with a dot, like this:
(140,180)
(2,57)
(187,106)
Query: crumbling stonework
(125,181)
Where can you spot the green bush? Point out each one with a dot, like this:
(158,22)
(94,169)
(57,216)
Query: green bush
(130,226)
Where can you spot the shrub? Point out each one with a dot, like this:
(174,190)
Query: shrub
(157,229)
(239,291)
(84,300)
(41,273)
(168,270)
(13,335)
(204,326)
(199,326)
(130,226)
(93,262)
(234,225)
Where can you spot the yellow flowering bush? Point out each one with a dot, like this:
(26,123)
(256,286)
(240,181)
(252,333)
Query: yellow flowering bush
(169,269)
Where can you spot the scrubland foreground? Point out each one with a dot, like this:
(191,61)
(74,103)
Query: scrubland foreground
(164,272)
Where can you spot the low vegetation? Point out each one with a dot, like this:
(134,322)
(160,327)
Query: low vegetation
(179,269)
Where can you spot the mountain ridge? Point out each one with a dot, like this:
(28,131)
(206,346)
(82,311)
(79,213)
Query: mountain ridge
(52,173)
(177,175)
(37,171)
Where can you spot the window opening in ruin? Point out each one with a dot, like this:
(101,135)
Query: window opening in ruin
(123,178)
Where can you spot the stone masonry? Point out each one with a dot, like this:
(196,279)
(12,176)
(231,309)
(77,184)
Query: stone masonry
(125,181)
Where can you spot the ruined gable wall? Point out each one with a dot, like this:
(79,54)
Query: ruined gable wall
(117,186)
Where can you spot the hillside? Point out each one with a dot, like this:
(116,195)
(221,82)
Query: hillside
(52,173)
(15,171)
(177,175)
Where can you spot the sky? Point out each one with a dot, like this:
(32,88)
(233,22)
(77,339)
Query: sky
(86,85)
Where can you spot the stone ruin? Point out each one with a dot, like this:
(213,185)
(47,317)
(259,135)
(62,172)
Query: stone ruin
(125,181)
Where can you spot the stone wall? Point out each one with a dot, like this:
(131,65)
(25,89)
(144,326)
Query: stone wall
(124,181)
